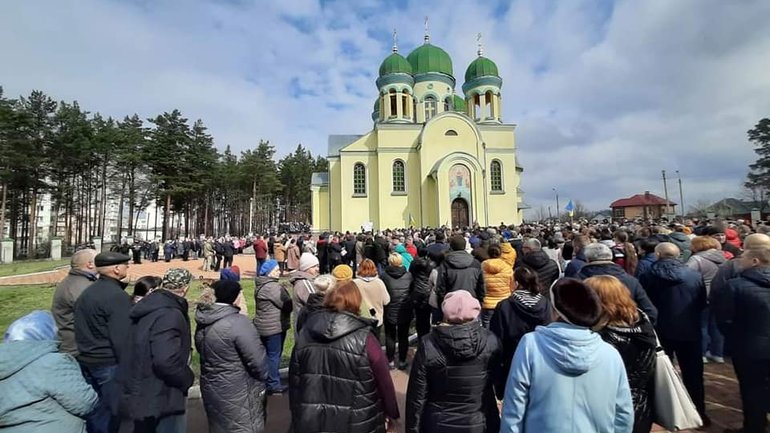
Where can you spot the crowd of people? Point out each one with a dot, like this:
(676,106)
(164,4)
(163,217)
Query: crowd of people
(537,328)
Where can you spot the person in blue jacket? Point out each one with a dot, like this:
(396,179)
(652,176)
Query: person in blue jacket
(558,369)
(42,389)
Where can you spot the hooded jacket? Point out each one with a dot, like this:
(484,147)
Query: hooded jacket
(314,303)
(547,269)
(636,345)
(645,263)
(155,374)
(405,256)
(498,281)
(451,383)
(43,391)
(508,253)
(707,264)
(575,265)
(742,310)
(398,282)
(680,296)
(302,283)
(273,305)
(459,271)
(331,383)
(553,382)
(520,314)
(233,370)
(682,241)
(420,291)
(643,302)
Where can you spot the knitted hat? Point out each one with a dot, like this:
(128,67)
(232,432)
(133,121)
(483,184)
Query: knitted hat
(267,267)
(228,274)
(342,273)
(460,307)
(176,278)
(457,243)
(575,303)
(307,261)
(226,291)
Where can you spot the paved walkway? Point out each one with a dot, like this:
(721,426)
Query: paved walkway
(245,262)
(722,398)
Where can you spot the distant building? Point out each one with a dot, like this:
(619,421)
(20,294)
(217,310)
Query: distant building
(641,206)
(733,209)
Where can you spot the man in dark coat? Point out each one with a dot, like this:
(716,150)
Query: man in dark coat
(438,249)
(81,275)
(155,375)
(537,259)
(742,310)
(459,271)
(579,242)
(350,252)
(228,251)
(679,294)
(599,257)
(101,325)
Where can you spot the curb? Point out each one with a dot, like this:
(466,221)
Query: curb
(195,391)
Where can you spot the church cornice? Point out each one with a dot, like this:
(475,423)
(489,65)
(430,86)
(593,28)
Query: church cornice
(435,76)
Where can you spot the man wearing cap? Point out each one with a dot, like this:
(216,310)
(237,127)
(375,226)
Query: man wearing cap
(155,374)
(101,326)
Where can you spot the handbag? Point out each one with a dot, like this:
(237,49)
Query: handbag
(674,409)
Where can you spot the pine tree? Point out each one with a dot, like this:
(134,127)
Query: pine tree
(759,172)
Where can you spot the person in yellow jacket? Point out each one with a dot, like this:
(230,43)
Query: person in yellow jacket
(498,279)
(508,253)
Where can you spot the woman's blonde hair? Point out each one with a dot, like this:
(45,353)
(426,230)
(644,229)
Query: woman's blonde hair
(703,243)
(395,259)
(618,308)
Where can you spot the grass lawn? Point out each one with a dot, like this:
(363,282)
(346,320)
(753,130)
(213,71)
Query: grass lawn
(20,300)
(31,266)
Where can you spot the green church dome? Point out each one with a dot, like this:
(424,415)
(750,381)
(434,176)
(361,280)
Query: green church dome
(481,67)
(395,64)
(430,58)
(459,104)
(377,104)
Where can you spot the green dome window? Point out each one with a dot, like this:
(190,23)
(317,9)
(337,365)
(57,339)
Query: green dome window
(430,58)
(395,64)
(481,67)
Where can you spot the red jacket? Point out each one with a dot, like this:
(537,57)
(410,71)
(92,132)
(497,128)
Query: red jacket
(260,249)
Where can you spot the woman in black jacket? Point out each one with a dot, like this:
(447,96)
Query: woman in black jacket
(525,309)
(233,364)
(398,313)
(629,330)
(419,294)
(451,383)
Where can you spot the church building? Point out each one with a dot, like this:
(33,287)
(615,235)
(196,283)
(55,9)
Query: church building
(434,157)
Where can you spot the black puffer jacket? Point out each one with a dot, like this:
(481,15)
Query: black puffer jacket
(420,270)
(155,374)
(514,317)
(637,292)
(233,370)
(314,302)
(451,382)
(459,271)
(331,383)
(547,269)
(742,310)
(398,281)
(636,345)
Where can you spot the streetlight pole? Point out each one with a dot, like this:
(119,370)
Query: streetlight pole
(681,196)
(558,208)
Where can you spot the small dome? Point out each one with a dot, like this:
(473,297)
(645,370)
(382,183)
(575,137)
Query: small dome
(430,58)
(481,67)
(395,64)
(377,104)
(459,103)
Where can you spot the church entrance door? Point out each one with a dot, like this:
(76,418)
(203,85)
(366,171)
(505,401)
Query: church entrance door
(460,213)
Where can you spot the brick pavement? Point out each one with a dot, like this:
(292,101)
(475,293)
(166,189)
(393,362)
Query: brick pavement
(722,398)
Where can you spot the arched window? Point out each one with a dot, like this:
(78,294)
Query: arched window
(448,104)
(430,107)
(399,180)
(393,103)
(489,106)
(496,175)
(359,179)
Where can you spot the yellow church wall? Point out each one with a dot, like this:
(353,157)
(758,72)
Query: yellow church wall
(503,206)
(321,209)
(396,207)
(356,210)
(436,144)
(335,193)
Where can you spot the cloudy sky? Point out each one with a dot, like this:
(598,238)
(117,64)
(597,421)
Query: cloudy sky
(605,94)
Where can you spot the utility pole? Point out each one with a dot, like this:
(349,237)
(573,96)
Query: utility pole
(681,196)
(665,191)
(558,209)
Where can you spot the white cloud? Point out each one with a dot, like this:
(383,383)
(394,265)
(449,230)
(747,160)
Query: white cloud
(605,94)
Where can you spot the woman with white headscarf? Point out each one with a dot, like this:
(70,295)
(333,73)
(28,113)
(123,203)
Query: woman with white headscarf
(43,390)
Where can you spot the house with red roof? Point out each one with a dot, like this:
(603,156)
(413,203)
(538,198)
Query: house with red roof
(641,206)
